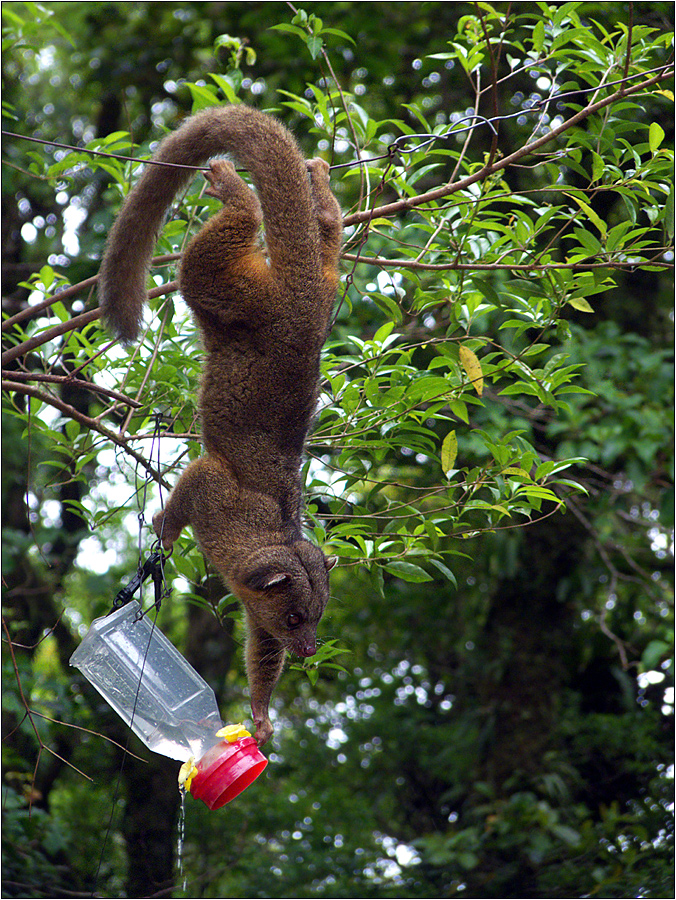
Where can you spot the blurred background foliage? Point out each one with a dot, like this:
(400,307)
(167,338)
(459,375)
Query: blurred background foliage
(501,724)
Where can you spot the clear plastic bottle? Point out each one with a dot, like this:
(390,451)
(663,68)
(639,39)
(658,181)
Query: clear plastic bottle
(165,702)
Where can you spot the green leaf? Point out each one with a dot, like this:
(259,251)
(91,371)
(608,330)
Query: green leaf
(315,45)
(445,571)
(598,167)
(202,97)
(226,85)
(338,33)
(326,651)
(487,290)
(383,332)
(655,136)
(407,571)
(539,36)
(290,29)
(581,304)
(589,212)
(652,655)
(459,409)
(47,276)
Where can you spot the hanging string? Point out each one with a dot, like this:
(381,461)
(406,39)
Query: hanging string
(154,565)
(161,591)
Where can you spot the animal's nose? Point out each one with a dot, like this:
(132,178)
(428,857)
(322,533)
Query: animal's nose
(306,648)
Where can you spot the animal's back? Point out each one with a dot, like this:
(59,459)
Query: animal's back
(258,398)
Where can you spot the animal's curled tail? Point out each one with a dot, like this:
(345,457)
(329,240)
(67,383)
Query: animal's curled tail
(260,144)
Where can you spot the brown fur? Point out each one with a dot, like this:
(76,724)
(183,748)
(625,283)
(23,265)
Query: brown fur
(263,324)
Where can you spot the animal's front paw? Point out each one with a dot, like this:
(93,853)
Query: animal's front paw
(221,176)
(264,731)
(226,185)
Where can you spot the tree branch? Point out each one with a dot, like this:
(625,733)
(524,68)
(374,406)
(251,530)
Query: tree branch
(408,203)
(494,267)
(70,291)
(67,410)
(26,377)
(76,322)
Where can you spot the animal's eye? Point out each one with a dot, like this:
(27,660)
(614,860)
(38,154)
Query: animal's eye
(293,620)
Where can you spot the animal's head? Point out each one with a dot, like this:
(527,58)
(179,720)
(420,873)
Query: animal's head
(285,590)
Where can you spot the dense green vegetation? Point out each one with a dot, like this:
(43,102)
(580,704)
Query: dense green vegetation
(491,711)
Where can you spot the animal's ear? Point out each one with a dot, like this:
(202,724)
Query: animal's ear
(331,562)
(262,579)
(275,578)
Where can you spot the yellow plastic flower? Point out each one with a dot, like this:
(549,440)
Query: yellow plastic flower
(232,733)
(186,774)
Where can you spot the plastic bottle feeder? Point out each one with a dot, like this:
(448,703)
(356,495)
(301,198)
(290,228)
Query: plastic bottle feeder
(168,705)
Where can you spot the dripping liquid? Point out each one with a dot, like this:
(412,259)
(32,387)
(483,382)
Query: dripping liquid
(182,878)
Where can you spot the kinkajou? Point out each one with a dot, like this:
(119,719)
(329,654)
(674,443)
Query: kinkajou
(263,323)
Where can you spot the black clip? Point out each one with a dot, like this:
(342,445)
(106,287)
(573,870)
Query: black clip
(153,566)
